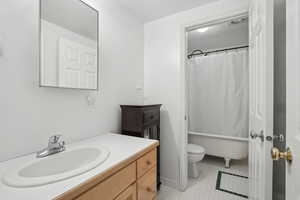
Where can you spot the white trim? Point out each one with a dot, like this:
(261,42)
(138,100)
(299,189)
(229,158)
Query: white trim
(170,183)
(183,159)
(292,96)
(240,12)
(219,136)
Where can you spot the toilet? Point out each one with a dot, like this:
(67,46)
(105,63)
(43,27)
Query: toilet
(195,155)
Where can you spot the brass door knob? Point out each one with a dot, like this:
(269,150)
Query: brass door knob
(276,154)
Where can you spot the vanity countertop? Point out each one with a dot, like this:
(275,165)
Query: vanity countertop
(121,148)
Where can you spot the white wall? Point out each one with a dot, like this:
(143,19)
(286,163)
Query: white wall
(163,76)
(30,114)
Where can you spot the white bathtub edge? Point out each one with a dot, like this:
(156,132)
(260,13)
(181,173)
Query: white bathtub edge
(219,136)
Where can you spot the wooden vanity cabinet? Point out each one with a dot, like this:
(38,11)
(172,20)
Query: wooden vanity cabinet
(135,179)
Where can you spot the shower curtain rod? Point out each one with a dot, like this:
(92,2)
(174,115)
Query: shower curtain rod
(198,52)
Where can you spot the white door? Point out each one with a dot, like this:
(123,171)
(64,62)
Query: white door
(261,98)
(293,99)
(77,65)
(69,64)
(88,63)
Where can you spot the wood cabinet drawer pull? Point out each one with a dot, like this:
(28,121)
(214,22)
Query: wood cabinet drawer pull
(148,189)
(148,162)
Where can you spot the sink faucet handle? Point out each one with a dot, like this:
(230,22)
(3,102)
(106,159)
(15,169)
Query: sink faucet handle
(54,139)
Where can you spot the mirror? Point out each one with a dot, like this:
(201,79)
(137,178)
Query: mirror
(68,44)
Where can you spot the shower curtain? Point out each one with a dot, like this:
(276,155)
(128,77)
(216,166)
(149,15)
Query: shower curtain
(218,93)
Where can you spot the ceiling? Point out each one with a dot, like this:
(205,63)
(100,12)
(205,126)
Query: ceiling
(149,10)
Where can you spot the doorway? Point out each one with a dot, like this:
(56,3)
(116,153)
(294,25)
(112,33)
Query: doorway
(217,64)
(285,95)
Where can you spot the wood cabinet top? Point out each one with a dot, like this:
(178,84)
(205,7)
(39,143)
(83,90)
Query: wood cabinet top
(141,106)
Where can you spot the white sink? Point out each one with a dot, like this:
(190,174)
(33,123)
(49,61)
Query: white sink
(56,167)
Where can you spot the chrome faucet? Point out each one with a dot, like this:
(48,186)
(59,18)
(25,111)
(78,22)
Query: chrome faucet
(54,146)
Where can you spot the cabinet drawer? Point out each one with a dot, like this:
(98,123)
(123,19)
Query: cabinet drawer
(146,186)
(146,162)
(128,194)
(111,187)
(150,116)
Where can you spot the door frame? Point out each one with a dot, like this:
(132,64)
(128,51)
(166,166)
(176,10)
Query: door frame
(205,21)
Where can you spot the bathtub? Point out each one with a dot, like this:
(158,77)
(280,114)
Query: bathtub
(221,146)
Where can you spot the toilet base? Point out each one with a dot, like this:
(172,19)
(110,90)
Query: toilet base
(193,171)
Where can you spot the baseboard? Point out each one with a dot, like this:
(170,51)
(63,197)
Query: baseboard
(169,182)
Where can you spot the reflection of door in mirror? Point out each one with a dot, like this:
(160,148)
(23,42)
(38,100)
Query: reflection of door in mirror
(77,65)
(69,44)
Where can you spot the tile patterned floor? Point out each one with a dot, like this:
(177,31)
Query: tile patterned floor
(203,188)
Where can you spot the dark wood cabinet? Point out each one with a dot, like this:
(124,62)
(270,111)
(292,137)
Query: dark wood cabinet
(143,121)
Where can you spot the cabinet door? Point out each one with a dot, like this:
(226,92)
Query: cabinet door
(146,162)
(128,194)
(147,185)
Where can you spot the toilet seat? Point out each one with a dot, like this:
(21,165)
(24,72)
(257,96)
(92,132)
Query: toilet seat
(195,149)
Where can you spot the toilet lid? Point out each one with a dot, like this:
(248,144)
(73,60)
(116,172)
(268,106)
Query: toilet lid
(193,148)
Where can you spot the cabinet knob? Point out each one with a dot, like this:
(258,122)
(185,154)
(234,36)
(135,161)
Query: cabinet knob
(148,162)
(148,189)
